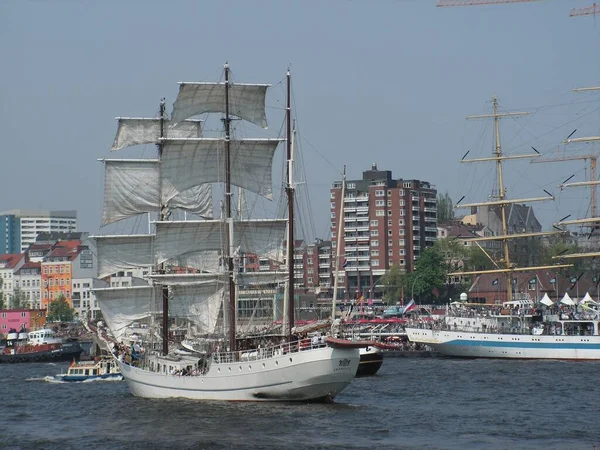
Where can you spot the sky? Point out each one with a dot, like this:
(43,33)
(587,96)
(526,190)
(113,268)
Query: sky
(381,81)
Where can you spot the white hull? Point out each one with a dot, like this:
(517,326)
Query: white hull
(510,346)
(300,376)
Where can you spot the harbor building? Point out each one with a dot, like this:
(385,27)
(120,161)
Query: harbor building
(20,228)
(385,222)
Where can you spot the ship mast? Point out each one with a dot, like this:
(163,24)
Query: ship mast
(290,196)
(163,216)
(592,183)
(338,246)
(503,202)
(229,242)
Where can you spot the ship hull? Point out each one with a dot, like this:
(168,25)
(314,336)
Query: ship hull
(67,352)
(309,375)
(507,346)
(371,360)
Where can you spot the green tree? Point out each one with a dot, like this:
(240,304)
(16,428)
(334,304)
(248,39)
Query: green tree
(18,300)
(476,259)
(445,208)
(428,281)
(392,283)
(60,311)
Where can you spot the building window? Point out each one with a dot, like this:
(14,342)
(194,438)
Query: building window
(375,262)
(402,213)
(374,223)
(389,203)
(390,243)
(390,233)
(406,185)
(333,205)
(374,252)
(402,262)
(390,252)
(402,202)
(389,223)
(375,243)
(380,213)
(379,202)
(389,212)
(402,232)
(402,252)
(401,222)
(402,243)
(401,193)
(374,232)
(379,193)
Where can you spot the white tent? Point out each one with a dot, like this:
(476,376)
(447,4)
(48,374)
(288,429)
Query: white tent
(588,299)
(546,300)
(566,300)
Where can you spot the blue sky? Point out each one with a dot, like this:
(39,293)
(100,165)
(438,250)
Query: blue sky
(385,81)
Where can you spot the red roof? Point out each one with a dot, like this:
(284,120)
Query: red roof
(11,260)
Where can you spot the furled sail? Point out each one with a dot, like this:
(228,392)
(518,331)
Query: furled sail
(121,307)
(252,236)
(187,162)
(246,101)
(134,187)
(117,253)
(243,278)
(136,131)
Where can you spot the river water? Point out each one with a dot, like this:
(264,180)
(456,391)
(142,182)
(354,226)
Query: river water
(413,403)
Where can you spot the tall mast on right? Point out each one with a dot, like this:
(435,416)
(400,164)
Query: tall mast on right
(502,202)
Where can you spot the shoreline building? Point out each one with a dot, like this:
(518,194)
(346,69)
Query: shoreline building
(20,228)
(385,222)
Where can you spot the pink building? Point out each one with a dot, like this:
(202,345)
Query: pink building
(16,318)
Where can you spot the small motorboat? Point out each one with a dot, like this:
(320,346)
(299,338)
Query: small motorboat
(101,369)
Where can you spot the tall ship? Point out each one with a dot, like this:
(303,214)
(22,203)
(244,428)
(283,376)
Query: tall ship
(191,346)
(523,330)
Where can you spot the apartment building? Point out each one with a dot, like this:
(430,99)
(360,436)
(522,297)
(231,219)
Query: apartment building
(20,228)
(383,222)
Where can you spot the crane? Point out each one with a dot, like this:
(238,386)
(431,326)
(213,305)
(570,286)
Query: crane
(478,2)
(594,9)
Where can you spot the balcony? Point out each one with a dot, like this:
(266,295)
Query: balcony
(416,228)
(430,210)
(431,229)
(430,238)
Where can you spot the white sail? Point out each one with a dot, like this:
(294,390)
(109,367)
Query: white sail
(123,306)
(246,101)
(199,303)
(177,238)
(117,253)
(188,162)
(136,131)
(133,187)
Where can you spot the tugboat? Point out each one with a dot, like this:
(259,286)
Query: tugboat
(37,346)
(102,369)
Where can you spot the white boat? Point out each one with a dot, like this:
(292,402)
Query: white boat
(204,299)
(522,336)
(105,369)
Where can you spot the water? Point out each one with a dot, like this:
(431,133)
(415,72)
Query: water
(420,403)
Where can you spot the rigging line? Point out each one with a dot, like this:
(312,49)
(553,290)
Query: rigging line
(558,127)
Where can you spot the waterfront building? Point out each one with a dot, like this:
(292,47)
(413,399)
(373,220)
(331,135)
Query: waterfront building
(385,222)
(30,319)
(20,228)
(28,285)
(9,264)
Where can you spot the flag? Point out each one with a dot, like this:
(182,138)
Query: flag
(435,291)
(533,281)
(409,307)
(345,262)
(552,280)
(495,282)
(573,280)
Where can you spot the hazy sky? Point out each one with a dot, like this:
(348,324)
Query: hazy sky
(385,81)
